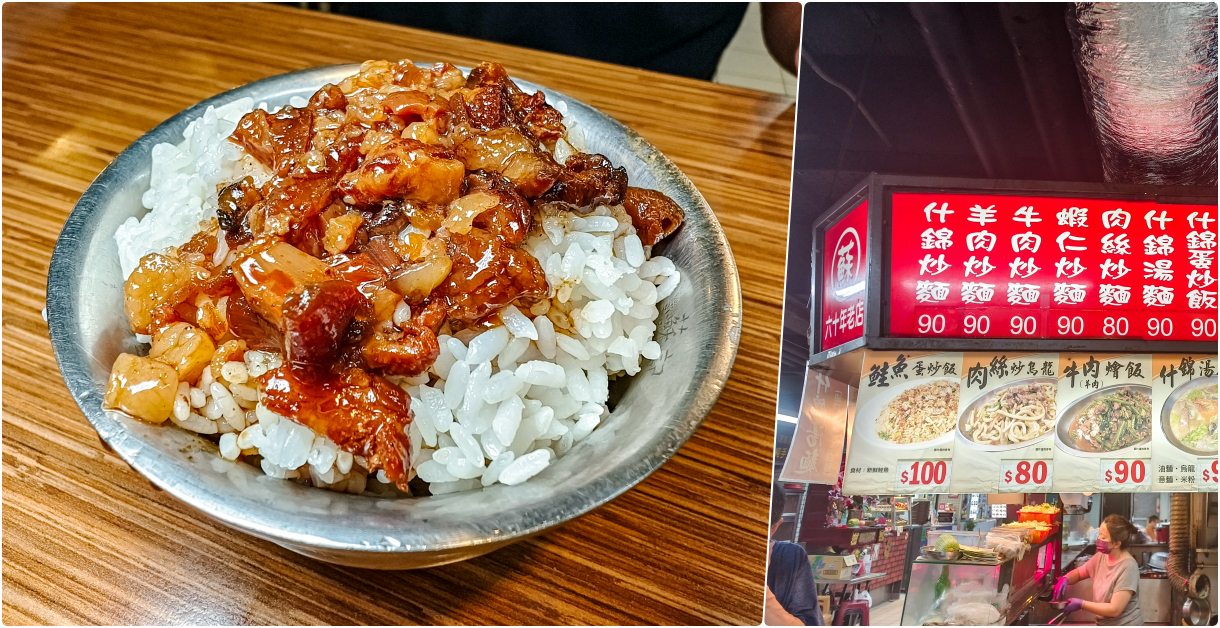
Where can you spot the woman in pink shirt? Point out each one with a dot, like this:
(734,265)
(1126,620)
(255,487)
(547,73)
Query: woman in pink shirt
(1115,575)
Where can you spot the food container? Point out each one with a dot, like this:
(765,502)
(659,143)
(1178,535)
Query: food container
(984,400)
(1038,536)
(1167,416)
(1044,517)
(1067,444)
(1021,532)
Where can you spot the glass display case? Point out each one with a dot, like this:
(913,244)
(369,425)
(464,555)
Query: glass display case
(960,592)
(940,592)
(895,509)
(1080,523)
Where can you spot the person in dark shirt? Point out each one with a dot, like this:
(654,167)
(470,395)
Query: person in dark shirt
(792,597)
(680,38)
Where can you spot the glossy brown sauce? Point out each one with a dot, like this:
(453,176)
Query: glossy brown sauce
(316,267)
(361,412)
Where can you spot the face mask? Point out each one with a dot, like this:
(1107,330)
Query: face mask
(1103,547)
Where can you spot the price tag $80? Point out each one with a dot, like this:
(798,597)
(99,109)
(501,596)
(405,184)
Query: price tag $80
(1021,476)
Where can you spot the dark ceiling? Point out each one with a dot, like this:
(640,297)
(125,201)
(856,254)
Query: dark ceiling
(964,90)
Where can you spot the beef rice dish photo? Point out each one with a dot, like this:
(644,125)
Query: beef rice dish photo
(1113,422)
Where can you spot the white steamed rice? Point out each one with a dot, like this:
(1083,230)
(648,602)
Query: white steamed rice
(499,406)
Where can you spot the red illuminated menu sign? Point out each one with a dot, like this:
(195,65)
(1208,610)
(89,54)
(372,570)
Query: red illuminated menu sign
(844,267)
(996,266)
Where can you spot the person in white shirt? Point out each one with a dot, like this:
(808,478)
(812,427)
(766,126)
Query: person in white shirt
(1085,530)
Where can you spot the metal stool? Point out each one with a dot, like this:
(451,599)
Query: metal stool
(852,614)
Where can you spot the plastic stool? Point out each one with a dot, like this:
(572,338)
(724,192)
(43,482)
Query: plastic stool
(852,614)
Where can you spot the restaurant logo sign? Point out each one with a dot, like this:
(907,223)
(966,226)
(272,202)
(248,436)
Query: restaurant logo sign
(844,266)
(847,264)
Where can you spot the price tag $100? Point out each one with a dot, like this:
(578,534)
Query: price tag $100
(923,476)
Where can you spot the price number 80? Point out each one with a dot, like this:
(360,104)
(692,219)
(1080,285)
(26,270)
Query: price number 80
(1027,472)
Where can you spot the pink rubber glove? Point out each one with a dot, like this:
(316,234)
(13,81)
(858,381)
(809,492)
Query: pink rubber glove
(1061,585)
(1073,605)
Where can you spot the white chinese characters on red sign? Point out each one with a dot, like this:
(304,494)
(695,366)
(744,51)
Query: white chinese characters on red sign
(1049,267)
(844,264)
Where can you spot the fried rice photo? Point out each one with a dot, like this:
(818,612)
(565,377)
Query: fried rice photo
(922,413)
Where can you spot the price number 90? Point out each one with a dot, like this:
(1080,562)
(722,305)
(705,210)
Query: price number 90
(1123,472)
(1071,325)
(1023,326)
(1162,327)
(976,325)
(931,324)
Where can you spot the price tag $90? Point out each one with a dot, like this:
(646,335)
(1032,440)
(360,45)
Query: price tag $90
(1025,476)
(1125,475)
(1208,474)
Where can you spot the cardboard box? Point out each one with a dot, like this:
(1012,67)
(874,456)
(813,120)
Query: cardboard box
(832,567)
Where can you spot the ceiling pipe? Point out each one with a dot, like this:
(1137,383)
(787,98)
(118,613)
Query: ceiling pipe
(1148,72)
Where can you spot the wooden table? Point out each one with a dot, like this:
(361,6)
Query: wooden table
(87,540)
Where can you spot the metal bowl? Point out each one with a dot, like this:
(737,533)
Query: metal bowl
(987,398)
(1167,412)
(1196,612)
(930,552)
(1068,444)
(656,411)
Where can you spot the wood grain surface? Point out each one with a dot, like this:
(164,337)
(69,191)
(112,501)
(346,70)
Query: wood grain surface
(88,541)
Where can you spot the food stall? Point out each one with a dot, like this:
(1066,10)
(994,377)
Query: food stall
(1020,340)
(857,555)
(972,585)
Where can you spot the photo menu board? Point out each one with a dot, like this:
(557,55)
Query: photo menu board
(970,265)
(988,422)
(1184,401)
(1103,436)
(902,429)
(1005,416)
